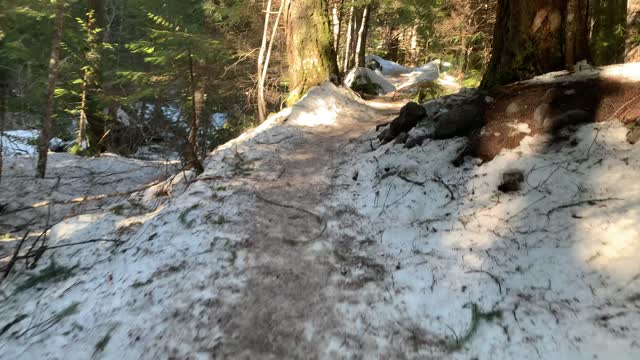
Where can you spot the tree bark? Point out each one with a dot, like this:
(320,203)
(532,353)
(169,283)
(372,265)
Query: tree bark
(91,127)
(197,106)
(531,37)
(361,47)
(347,44)
(262,107)
(3,117)
(309,46)
(632,53)
(54,68)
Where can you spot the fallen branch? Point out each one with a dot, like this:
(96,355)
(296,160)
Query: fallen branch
(412,181)
(591,202)
(441,182)
(83,243)
(83,199)
(14,258)
(317,217)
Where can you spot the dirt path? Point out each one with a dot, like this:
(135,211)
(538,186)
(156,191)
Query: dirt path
(298,254)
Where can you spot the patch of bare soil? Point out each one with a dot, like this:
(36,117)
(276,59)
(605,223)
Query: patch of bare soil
(550,108)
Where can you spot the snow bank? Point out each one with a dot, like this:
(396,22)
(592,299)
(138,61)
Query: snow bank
(557,259)
(151,283)
(359,77)
(620,72)
(19,142)
(389,67)
(303,237)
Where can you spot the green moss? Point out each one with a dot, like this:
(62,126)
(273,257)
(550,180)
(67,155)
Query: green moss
(220,220)
(102,344)
(118,210)
(472,79)
(477,316)
(51,273)
(183,216)
(139,284)
(77,150)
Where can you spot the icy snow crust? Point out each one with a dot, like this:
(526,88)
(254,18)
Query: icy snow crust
(303,238)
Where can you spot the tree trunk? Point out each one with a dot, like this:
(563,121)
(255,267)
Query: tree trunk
(265,69)
(361,47)
(608,33)
(197,106)
(531,36)
(576,32)
(309,46)
(633,31)
(3,117)
(91,127)
(347,44)
(337,29)
(54,68)
(262,107)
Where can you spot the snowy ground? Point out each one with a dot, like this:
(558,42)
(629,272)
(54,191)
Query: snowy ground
(74,185)
(396,79)
(303,238)
(19,142)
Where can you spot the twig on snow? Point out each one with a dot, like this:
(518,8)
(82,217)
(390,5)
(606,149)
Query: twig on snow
(493,277)
(591,202)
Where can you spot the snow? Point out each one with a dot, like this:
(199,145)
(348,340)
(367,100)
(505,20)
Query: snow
(363,76)
(304,237)
(559,269)
(624,72)
(389,67)
(19,142)
(219,119)
(402,78)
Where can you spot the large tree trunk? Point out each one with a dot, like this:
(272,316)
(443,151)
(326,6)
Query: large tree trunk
(54,68)
(608,33)
(633,31)
(309,46)
(531,38)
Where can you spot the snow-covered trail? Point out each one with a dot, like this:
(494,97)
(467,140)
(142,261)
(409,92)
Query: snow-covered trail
(305,238)
(287,307)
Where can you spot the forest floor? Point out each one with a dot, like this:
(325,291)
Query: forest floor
(306,238)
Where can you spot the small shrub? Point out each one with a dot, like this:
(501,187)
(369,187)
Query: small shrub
(77,150)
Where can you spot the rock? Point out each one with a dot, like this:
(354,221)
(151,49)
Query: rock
(417,137)
(373,64)
(540,114)
(460,121)
(57,145)
(367,81)
(633,136)
(409,117)
(415,141)
(513,108)
(569,118)
(511,181)
(402,138)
